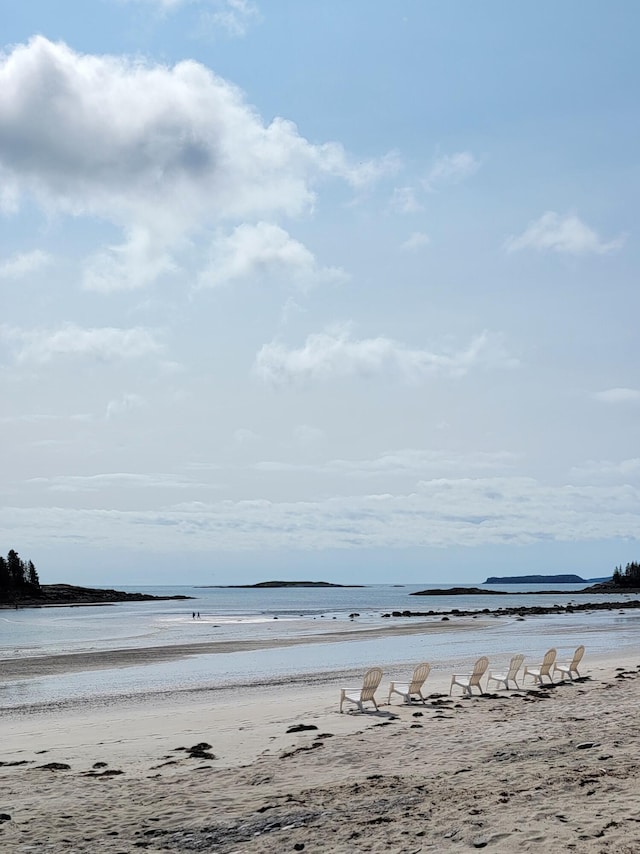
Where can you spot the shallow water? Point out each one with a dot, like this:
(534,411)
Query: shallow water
(291,613)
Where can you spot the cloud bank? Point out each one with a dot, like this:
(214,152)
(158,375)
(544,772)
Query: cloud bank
(335,353)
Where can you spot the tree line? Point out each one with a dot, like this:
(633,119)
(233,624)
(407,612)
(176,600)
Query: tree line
(629,576)
(17,577)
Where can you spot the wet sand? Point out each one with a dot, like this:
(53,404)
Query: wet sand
(48,665)
(538,769)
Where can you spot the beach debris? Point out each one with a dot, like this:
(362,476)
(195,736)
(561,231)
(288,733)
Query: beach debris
(586,745)
(99,765)
(56,766)
(301,727)
(16,762)
(4,816)
(109,772)
(211,837)
(201,751)
(299,846)
(625,674)
(306,747)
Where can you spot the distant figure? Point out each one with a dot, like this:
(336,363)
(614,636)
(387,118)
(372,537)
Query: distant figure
(198,614)
(193,616)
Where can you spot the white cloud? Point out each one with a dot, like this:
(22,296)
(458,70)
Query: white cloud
(100,482)
(335,353)
(416,240)
(451,169)
(618,395)
(404,201)
(107,343)
(440,512)
(126,403)
(233,16)
(140,260)
(562,234)
(24,264)
(262,249)
(161,152)
(413,463)
(230,16)
(623,470)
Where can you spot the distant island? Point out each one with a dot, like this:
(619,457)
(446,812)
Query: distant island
(267,584)
(543,579)
(459,591)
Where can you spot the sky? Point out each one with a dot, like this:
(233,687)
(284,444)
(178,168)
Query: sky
(323,290)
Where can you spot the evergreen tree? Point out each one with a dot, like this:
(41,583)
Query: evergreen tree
(630,577)
(33,579)
(15,568)
(17,577)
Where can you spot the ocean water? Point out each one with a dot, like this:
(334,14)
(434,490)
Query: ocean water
(292,614)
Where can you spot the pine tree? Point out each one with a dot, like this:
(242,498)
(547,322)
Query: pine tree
(34,581)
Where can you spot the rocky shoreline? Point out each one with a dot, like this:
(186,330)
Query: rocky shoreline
(522,611)
(601,587)
(70,595)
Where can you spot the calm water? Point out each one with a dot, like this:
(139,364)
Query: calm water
(232,614)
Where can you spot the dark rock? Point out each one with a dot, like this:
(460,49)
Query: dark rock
(301,728)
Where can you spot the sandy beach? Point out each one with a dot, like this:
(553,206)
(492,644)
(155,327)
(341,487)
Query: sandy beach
(536,769)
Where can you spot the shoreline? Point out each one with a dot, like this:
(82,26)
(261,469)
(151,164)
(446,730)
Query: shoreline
(71,662)
(278,768)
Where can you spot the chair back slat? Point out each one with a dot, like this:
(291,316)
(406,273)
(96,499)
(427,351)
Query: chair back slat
(514,665)
(547,661)
(478,670)
(372,679)
(577,657)
(419,676)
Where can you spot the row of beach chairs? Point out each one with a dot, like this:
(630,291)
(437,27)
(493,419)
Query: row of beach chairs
(413,688)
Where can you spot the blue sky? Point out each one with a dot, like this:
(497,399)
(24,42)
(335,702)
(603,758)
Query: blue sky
(319,290)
